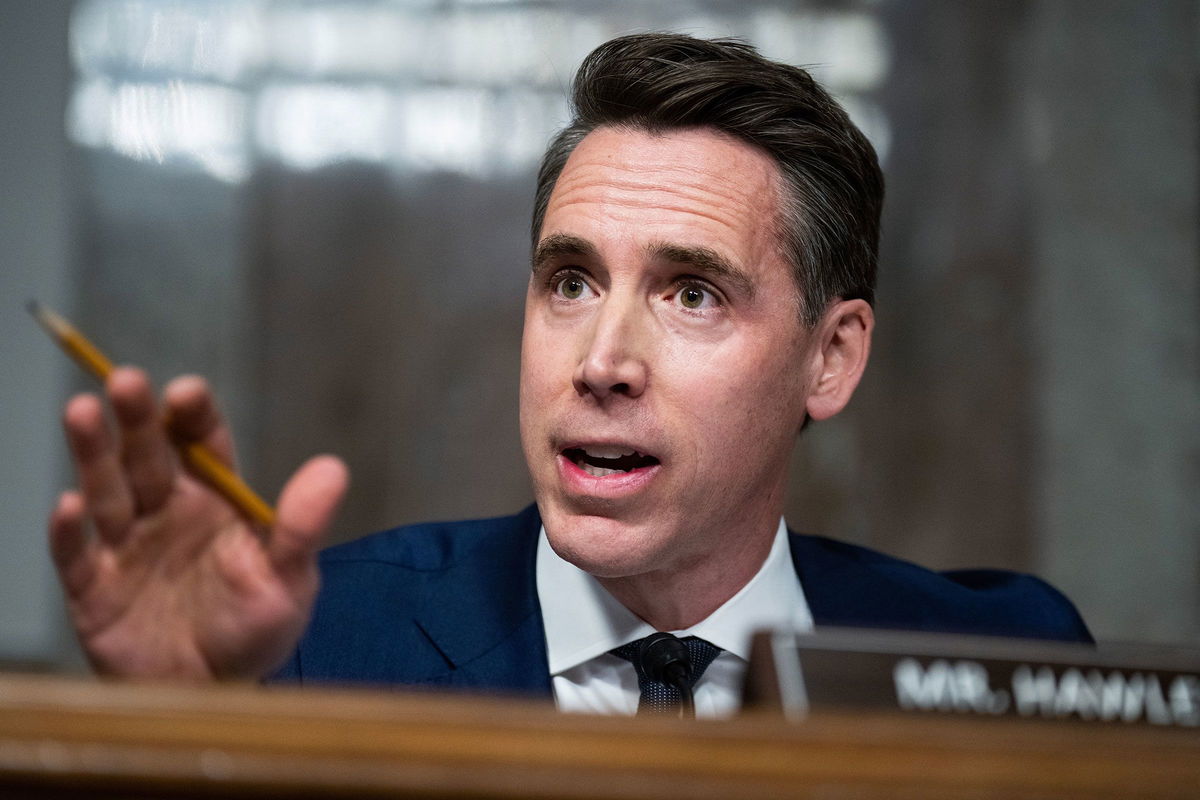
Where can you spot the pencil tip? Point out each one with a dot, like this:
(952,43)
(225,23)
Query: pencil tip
(53,323)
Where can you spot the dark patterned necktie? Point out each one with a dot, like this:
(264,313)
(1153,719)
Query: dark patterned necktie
(658,697)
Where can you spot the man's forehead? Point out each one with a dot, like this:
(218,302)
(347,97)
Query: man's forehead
(700,153)
(719,193)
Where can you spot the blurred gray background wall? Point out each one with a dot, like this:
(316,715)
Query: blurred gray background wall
(323,207)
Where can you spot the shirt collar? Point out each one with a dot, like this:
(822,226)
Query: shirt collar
(583,620)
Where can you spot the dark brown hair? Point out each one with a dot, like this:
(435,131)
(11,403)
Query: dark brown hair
(659,82)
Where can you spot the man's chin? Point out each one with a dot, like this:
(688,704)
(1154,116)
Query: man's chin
(600,545)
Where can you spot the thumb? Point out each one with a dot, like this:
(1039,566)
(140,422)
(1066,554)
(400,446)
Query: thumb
(306,508)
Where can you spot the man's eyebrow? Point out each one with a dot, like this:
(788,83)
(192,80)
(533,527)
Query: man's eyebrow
(561,245)
(706,262)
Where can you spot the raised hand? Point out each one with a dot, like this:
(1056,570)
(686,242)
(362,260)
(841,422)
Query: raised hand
(170,581)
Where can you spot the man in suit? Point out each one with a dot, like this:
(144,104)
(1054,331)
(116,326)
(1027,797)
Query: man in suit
(705,235)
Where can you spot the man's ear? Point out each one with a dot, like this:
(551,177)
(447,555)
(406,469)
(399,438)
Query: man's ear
(844,339)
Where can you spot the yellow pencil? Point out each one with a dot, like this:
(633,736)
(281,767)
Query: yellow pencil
(199,459)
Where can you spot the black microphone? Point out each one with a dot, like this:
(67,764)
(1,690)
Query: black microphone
(665,658)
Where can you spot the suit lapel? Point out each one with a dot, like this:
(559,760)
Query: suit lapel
(484,620)
(483,615)
(840,590)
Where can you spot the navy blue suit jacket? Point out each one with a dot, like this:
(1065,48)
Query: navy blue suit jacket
(455,605)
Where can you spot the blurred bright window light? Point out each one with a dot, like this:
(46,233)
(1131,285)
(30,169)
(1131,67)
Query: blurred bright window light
(476,132)
(471,46)
(348,40)
(848,49)
(471,131)
(218,40)
(471,87)
(499,47)
(177,122)
(312,125)
(444,130)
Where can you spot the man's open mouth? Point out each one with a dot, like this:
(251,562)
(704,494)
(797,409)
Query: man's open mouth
(602,461)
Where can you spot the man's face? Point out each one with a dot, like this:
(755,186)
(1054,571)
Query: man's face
(664,367)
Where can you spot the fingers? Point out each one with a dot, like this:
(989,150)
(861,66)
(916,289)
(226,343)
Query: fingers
(194,416)
(125,477)
(147,456)
(106,493)
(69,545)
(306,508)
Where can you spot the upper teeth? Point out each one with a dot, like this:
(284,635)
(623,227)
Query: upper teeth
(602,451)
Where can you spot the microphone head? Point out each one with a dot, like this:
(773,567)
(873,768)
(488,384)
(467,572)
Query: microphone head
(665,658)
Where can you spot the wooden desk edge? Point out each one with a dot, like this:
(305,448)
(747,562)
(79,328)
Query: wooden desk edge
(88,738)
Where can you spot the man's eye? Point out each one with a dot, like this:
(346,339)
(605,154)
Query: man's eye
(572,287)
(695,298)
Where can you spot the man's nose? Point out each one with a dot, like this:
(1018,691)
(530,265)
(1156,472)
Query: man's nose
(613,361)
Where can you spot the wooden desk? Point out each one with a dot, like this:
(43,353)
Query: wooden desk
(86,739)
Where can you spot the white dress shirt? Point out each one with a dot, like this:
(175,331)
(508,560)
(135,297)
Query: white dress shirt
(583,622)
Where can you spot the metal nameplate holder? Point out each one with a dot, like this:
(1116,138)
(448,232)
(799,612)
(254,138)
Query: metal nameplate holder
(844,668)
